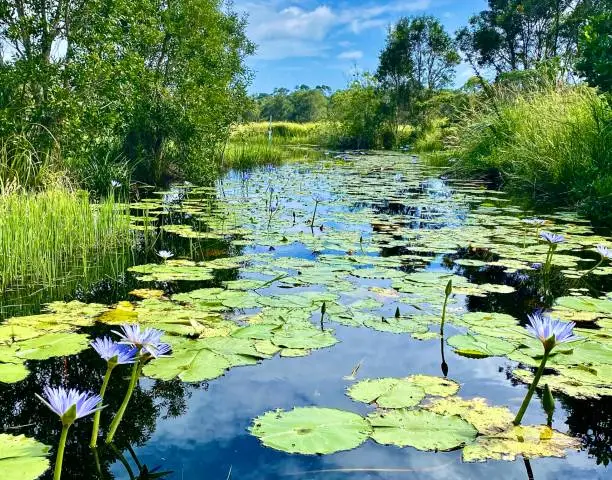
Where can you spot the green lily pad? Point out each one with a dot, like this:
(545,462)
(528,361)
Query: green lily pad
(52,345)
(480,346)
(311,430)
(387,392)
(13,372)
(22,458)
(421,429)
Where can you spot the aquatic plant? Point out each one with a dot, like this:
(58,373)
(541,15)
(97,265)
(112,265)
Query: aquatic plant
(553,240)
(447,293)
(605,253)
(550,332)
(114,354)
(147,344)
(69,405)
(165,254)
(548,404)
(318,198)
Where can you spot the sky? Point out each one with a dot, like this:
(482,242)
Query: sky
(315,42)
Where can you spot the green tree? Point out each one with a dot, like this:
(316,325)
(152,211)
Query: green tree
(419,57)
(595,49)
(518,34)
(308,105)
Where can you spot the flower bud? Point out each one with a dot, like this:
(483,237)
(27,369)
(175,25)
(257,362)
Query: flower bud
(449,288)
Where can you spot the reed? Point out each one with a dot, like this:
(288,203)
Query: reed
(49,235)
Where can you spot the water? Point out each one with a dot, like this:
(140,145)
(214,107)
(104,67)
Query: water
(200,430)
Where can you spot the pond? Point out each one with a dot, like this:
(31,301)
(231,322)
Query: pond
(290,285)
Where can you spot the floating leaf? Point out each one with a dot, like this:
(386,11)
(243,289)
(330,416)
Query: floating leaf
(478,346)
(526,441)
(487,420)
(311,430)
(421,429)
(22,458)
(387,392)
(52,345)
(12,373)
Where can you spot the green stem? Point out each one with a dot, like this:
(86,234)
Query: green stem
(532,387)
(128,395)
(594,268)
(443,315)
(59,460)
(96,423)
(313,214)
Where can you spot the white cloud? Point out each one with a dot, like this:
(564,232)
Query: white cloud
(283,30)
(351,55)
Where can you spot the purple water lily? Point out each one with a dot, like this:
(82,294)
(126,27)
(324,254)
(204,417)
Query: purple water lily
(61,401)
(604,251)
(108,349)
(133,335)
(550,331)
(552,238)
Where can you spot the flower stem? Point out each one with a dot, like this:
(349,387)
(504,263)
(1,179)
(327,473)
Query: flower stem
(532,387)
(314,213)
(594,268)
(443,315)
(59,460)
(96,423)
(128,395)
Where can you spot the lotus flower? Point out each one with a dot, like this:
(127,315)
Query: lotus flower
(71,404)
(550,331)
(552,238)
(165,254)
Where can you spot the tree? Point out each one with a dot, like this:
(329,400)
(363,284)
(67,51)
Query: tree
(518,34)
(419,57)
(595,49)
(156,81)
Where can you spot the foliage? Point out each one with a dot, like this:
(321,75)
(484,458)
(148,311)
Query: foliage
(157,83)
(551,143)
(304,104)
(517,34)
(595,50)
(419,58)
(43,234)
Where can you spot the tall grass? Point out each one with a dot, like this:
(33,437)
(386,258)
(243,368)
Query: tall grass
(282,132)
(47,235)
(553,143)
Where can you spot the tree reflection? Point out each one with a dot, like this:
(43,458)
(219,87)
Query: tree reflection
(22,413)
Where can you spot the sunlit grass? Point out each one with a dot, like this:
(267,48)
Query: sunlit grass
(48,235)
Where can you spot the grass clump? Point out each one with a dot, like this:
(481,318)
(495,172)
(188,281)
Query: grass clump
(552,143)
(288,133)
(47,235)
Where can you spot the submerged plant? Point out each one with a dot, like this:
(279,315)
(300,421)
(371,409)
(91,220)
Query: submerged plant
(69,405)
(147,344)
(550,332)
(114,354)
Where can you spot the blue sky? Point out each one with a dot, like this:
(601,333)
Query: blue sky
(316,42)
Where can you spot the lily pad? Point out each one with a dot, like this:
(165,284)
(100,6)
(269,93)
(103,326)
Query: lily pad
(311,430)
(387,392)
(421,429)
(487,420)
(480,346)
(22,458)
(526,441)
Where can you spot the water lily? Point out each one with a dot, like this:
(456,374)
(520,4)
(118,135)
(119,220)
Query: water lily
(69,405)
(552,238)
(115,184)
(148,345)
(115,354)
(534,221)
(604,251)
(550,332)
(165,254)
